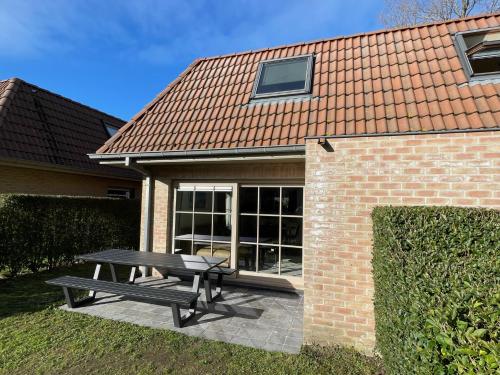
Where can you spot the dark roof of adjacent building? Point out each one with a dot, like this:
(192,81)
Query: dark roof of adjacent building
(43,128)
(383,82)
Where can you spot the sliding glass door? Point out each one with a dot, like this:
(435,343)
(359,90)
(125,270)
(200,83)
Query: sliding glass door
(270,229)
(203,221)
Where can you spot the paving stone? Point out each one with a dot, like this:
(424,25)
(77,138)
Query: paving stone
(273,347)
(277,337)
(293,341)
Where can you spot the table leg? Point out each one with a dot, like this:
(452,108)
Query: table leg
(113,272)
(196,283)
(96,276)
(131,278)
(208,287)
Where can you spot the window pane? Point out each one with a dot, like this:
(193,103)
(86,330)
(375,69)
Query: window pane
(222,228)
(248,228)
(222,201)
(222,250)
(490,65)
(291,261)
(183,246)
(247,255)
(183,225)
(268,229)
(202,226)
(184,201)
(248,200)
(282,75)
(203,201)
(203,249)
(291,201)
(268,259)
(291,231)
(269,200)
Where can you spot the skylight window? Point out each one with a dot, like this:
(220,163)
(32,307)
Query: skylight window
(111,129)
(290,76)
(480,52)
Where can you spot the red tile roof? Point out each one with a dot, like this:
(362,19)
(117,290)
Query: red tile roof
(387,81)
(38,126)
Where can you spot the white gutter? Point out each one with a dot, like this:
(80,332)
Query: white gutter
(146,240)
(241,151)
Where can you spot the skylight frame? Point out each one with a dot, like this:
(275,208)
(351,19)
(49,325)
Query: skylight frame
(461,48)
(278,94)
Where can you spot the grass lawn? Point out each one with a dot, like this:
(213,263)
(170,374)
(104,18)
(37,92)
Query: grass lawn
(38,338)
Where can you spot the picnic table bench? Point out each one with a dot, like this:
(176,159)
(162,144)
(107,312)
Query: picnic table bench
(176,298)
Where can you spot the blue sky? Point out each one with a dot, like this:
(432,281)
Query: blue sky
(116,55)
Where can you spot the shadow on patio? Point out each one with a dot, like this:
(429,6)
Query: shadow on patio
(258,318)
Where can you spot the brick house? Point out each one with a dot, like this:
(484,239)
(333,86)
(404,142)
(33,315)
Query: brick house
(44,142)
(276,157)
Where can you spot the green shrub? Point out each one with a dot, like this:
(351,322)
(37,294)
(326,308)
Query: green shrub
(47,231)
(437,295)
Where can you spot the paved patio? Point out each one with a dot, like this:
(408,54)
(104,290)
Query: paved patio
(257,318)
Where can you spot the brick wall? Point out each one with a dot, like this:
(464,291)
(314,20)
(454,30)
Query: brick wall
(342,187)
(36,181)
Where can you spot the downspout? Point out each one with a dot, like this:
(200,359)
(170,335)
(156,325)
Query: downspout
(146,240)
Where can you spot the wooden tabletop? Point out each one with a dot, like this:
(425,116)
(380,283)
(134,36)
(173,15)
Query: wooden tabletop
(193,263)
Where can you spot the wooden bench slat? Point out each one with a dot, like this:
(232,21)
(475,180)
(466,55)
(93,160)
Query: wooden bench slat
(164,295)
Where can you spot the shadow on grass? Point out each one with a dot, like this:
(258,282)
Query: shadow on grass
(29,293)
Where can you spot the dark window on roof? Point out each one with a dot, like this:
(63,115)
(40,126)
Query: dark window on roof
(290,76)
(480,52)
(111,129)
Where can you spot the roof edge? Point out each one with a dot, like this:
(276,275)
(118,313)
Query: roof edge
(369,33)
(21,163)
(65,98)
(239,151)
(8,96)
(147,107)
(393,134)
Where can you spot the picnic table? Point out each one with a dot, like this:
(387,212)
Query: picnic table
(197,265)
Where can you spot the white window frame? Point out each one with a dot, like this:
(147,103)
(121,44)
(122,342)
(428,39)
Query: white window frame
(307,83)
(279,245)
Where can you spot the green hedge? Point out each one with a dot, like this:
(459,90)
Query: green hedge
(437,295)
(47,231)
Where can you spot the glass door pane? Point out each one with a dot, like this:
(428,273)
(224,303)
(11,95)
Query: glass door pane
(291,261)
(184,201)
(184,226)
(291,231)
(203,201)
(269,200)
(268,259)
(247,256)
